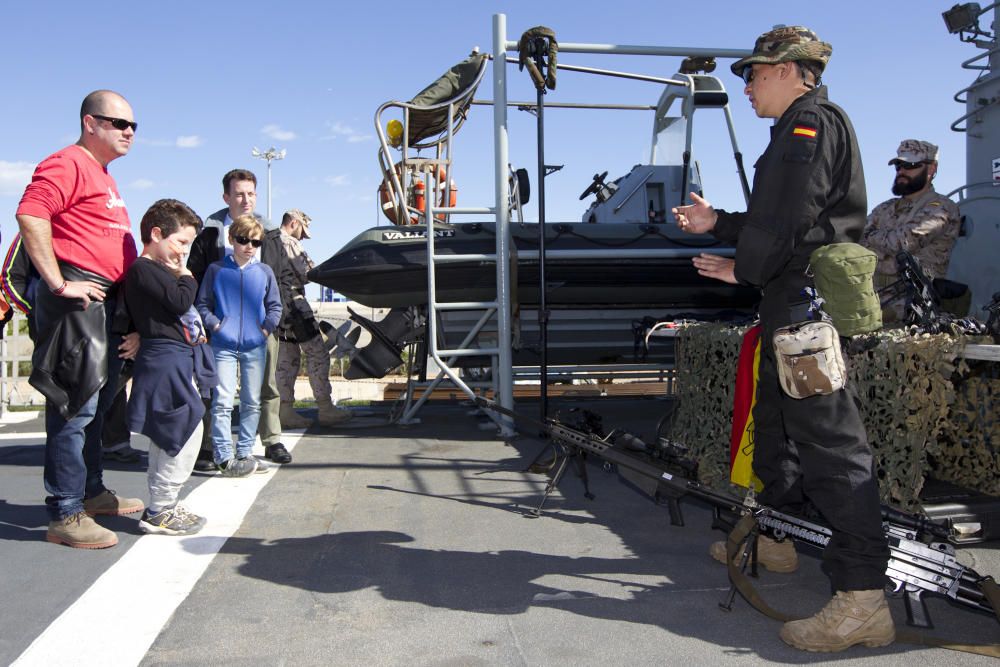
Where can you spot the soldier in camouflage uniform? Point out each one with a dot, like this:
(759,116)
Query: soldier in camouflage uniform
(297,330)
(808,191)
(918,220)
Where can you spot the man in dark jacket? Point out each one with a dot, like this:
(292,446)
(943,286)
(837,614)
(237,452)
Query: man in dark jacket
(808,191)
(239,191)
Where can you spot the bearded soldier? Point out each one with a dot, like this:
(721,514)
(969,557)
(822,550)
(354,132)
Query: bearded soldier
(918,220)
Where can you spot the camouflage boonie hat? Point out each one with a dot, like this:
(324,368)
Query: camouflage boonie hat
(915,150)
(783,45)
(301,217)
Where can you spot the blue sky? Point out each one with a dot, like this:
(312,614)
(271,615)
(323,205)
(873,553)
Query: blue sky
(209,81)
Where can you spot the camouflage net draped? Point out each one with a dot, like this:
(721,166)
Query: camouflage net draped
(927,411)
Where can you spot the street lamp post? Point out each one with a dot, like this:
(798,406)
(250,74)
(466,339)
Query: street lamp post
(270,154)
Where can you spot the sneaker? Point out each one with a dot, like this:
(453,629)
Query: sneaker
(238,467)
(122,454)
(774,556)
(172,521)
(107,502)
(278,453)
(80,531)
(849,618)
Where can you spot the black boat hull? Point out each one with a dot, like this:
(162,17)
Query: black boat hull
(587,266)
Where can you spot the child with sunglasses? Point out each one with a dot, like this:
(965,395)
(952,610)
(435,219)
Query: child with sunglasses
(241,306)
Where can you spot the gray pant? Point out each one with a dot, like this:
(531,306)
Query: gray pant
(269,427)
(167,474)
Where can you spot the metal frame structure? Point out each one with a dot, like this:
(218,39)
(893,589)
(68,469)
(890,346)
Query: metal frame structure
(503,372)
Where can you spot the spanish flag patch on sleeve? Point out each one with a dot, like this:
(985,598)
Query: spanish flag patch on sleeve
(804,131)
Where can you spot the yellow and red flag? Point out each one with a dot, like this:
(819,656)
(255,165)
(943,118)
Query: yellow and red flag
(804,131)
(741,439)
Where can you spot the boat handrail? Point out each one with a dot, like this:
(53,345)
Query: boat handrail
(613,73)
(638,185)
(638,50)
(969,186)
(455,116)
(975,84)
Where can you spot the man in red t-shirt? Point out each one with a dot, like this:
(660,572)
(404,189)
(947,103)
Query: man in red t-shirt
(77,233)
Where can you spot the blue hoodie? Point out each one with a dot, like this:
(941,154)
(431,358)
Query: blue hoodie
(243,301)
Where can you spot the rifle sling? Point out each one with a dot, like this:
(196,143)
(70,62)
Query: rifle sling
(748,523)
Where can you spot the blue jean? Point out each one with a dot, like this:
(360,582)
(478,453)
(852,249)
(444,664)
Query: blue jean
(73,467)
(251,368)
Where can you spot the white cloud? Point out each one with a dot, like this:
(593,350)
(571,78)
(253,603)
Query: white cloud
(141,184)
(189,141)
(275,132)
(338,181)
(14,177)
(338,130)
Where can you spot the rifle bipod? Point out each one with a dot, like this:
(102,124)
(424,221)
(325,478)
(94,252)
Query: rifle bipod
(562,455)
(748,556)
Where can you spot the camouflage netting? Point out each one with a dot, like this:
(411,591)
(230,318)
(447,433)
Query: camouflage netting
(926,410)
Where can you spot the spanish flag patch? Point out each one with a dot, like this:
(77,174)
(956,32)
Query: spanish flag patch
(804,131)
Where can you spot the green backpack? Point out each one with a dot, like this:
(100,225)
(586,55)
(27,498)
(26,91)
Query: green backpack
(843,274)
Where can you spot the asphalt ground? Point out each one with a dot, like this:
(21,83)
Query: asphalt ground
(385,545)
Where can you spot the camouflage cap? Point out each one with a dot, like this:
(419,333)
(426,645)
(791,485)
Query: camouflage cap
(786,44)
(301,217)
(915,150)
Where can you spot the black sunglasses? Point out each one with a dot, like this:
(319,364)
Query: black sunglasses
(118,123)
(747,74)
(242,240)
(908,165)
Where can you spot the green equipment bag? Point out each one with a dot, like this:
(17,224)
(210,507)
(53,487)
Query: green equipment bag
(843,274)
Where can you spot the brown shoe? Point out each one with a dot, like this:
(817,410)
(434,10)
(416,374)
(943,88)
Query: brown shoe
(291,419)
(107,502)
(851,617)
(80,532)
(774,556)
(330,414)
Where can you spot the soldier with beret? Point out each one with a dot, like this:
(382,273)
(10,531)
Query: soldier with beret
(918,220)
(808,191)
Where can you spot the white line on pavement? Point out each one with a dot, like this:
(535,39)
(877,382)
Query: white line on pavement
(144,588)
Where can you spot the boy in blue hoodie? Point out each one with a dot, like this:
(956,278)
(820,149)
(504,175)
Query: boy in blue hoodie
(241,306)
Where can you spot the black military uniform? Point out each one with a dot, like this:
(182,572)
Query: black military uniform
(809,191)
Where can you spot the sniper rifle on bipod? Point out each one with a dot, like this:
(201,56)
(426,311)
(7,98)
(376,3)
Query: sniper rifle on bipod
(920,562)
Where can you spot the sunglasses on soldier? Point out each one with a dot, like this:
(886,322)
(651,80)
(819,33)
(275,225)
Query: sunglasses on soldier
(908,165)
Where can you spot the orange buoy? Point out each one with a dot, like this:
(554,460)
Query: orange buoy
(416,198)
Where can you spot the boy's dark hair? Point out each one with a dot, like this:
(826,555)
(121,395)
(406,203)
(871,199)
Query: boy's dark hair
(237,175)
(169,215)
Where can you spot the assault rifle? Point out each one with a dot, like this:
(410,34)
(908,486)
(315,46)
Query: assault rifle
(923,299)
(921,560)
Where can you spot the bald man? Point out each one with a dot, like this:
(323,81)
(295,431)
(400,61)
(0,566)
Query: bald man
(76,231)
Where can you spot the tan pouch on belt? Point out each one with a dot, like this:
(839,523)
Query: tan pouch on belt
(809,359)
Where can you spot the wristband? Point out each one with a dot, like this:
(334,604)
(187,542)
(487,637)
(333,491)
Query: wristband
(59,290)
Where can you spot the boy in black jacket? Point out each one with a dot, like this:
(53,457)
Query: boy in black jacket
(174,368)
